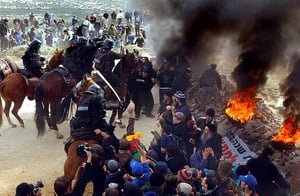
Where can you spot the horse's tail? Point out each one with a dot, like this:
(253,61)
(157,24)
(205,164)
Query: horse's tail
(39,115)
(64,109)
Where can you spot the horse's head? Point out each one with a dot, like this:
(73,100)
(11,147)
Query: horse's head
(132,61)
(84,85)
(56,60)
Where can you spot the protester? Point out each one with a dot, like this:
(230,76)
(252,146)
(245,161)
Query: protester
(4,30)
(269,179)
(248,184)
(210,85)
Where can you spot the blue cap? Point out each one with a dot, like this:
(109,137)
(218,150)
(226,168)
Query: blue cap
(249,179)
(136,167)
(206,171)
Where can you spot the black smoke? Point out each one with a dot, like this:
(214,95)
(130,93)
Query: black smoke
(192,28)
(291,89)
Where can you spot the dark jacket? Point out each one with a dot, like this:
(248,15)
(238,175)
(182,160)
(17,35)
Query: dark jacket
(105,60)
(91,111)
(210,78)
(181,130)
(166,78)
(90,173)
(3,29)
(268,177)
(215,142)
(116,177)
(144,86)
(197,161)
(185,110)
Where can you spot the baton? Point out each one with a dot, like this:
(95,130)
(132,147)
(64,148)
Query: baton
(104,79)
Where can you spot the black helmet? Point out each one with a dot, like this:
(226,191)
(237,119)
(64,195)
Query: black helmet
(35,43)
(108,44)
(81,40)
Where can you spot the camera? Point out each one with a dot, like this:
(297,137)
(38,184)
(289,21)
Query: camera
(37,186)
(81,148)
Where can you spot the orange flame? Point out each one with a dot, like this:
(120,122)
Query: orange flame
(289,133)
(241,108)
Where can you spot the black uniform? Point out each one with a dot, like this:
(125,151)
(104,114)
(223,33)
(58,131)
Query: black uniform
(33,62)
(105,61)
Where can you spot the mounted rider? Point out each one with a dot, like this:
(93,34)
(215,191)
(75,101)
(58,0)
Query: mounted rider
(72,59)
(76,60)
(105,63)
(89,118)
(32,60)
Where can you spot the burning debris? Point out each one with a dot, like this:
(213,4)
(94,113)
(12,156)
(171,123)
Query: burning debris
(242,107)
(289,132)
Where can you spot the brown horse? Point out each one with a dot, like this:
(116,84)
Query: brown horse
(56,60)
(73,161)
(15,87)
(52,88)
(7,67)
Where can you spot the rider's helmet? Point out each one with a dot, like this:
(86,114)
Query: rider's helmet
(35,44)
(82,40)
(108,44)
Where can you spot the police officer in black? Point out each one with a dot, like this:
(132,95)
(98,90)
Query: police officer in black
(90,114)
(72,58)
(79,56)
(32,60)
(105,62)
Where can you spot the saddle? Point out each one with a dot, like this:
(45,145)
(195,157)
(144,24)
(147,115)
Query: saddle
(81,134)
(5,69)
(65,73)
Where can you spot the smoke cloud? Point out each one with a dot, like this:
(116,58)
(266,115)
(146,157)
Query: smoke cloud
(291,89)
(193,28)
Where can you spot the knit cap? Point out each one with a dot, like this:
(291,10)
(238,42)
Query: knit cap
(184,175)
(179,94)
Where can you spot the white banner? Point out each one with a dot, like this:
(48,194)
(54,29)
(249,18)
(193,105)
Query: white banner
(236,150)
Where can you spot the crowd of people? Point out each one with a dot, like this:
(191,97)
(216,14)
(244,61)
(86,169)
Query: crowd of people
(123,28)
(134,170)
(184,157)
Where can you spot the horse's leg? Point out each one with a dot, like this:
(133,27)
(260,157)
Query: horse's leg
(46,113)
(6,111)
(16,108)
(52,121)
(113,116)
(126,104)
(73,162)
